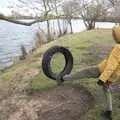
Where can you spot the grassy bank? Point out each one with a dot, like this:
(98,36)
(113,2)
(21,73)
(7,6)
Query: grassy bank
(88,48)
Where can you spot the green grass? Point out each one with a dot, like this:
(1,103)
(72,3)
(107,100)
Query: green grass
(78,44)
(81,45)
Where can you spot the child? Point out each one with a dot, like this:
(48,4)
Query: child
(108,72)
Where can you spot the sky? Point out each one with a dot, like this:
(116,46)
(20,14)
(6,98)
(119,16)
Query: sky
(6,11)
(4,4)
(24,11)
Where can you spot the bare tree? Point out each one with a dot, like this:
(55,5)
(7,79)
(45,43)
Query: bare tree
(69,9)
(47,10)
(65,26)
(56,5)
(111,8)
(90,11)
(113,2)
(115,12)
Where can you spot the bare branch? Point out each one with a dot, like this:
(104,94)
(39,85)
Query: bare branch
(13,20)
(35,20)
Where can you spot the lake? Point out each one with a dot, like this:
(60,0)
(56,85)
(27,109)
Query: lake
(12,36)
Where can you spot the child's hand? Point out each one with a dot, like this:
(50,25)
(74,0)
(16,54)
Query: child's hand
(106,84)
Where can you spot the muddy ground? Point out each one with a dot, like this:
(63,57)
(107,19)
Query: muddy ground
(67,102)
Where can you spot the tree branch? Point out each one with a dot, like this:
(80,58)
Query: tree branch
(35,20)
(13,20)
(16,21)
(43,18)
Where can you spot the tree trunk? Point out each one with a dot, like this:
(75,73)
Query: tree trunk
(89,24)
(60,31)
(48,24)
(58,22)
(48,30)
(70,22)
(65,27)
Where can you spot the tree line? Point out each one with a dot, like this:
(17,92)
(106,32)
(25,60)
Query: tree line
(90,11)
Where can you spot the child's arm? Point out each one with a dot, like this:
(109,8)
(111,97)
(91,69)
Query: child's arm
(112,64)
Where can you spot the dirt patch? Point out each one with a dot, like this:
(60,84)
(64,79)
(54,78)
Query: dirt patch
(31,73)
(81,48)
(67,102)
(96,54)
(103,49)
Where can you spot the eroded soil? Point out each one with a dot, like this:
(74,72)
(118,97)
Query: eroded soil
(67,102)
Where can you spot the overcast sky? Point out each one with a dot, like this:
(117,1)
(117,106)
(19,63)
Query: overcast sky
(5,3)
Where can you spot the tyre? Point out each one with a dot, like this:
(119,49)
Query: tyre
(48,55)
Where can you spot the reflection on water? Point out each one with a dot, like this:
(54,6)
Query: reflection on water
(12,36)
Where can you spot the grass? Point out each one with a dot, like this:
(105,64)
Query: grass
(88,48)
(82,40)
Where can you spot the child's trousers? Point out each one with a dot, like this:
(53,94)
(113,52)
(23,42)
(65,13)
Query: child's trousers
(108,98)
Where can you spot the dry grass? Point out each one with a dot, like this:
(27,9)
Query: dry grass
(40,39)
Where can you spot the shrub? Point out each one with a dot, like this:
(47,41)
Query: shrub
(23,52)
(40,39)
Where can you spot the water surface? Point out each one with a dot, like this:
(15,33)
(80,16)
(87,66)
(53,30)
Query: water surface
(13,35)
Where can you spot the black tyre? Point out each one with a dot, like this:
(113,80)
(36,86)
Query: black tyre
(47,60)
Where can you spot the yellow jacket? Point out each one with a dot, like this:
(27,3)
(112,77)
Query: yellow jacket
(116,34)
(110,68)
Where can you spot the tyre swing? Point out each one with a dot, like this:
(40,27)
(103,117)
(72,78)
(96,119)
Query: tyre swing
(46,63)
